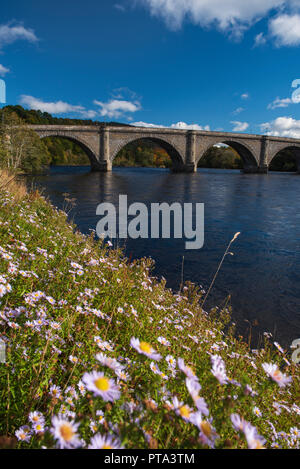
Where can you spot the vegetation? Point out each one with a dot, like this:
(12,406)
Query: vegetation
(51,150)
(221,157)
(284,161)
(100,354)
(20,148)
(143,153)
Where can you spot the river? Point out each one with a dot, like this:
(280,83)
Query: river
(263,275)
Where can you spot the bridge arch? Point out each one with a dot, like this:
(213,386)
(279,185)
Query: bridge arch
(76,139)
(247,154)
(294,149)
(174,153)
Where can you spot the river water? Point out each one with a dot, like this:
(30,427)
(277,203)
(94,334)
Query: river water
(263,276)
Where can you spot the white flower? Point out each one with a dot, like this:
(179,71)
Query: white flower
(254,440)
(280,378)
(109,362)
(256,411)
(23,434)
(163,341)
(218,369)
(64,431)
(104,442)
(187,370)
(145,349)
(102,386)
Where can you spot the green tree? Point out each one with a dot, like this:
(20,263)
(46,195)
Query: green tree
(21,148)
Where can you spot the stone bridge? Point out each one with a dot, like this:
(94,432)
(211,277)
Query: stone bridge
(185,147)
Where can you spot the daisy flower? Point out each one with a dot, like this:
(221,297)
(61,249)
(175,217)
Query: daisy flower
(64,431)
(181,409)
(207,433)
(23,434)
(122,375)
(36,417)
(81,388)
(73,359)
(109,362)
(163,341)
(102,386)
(218,369)
(171,361)
(145,349)
(187,370)
(38,427)
(238,422)
(93,426)
(275,374)
(256,411)
(254,440)
(104,442)
(55,391)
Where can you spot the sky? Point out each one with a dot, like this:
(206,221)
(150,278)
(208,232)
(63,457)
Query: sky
(220,65)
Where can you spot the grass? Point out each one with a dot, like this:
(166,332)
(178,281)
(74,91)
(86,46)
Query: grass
(66,298)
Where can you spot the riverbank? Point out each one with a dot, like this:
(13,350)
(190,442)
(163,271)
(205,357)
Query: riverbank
(96,346)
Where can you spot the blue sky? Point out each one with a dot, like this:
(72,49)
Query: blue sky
(212,64)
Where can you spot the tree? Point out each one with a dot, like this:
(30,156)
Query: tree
(21,148)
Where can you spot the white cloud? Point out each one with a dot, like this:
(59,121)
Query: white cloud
(120,7)
(239,126)
(10,34)
(3,70)
(88,114)
(245,96)
(282,127)
(232,15)
(58,107)
(116,108)
(280,102)
(178,125)
(259,40)
(184,126)
(285,29)
(238,110)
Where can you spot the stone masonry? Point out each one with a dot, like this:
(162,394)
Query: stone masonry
(185,147)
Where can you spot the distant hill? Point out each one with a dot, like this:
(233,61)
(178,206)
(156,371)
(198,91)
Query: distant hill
(34,117)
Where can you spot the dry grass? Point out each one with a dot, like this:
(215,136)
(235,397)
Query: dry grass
(9,181)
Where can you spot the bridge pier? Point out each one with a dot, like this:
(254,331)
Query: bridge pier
(184,168)
(101,166)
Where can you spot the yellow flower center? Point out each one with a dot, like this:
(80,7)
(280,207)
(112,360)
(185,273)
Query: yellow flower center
(102,384)
(206,428)
(107,447)
(66,432)
(184,411)
(145,347)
